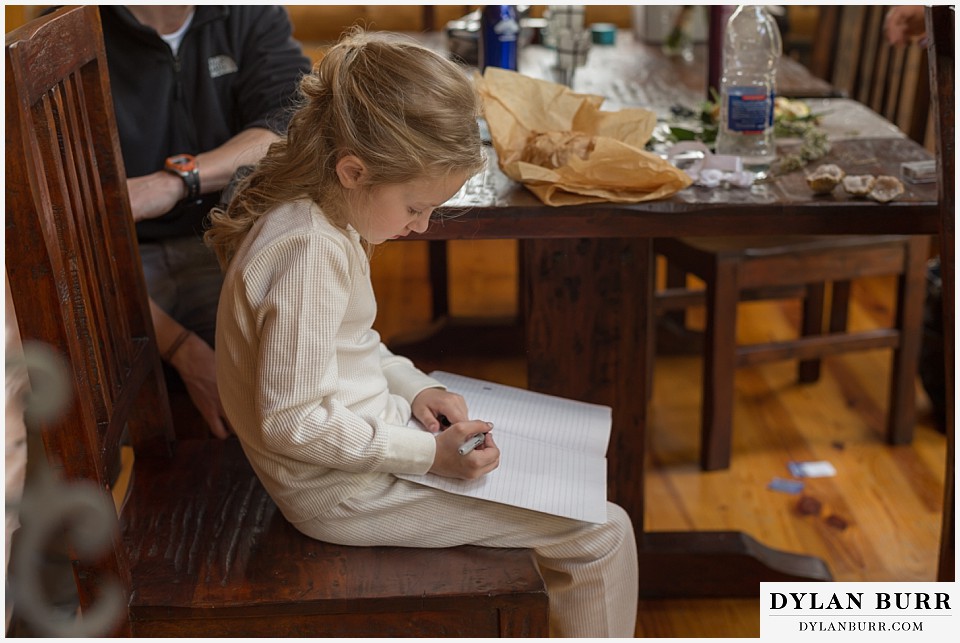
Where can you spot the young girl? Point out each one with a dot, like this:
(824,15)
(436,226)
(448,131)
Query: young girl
(385,133)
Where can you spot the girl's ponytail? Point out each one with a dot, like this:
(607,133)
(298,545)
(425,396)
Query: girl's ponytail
(405,111)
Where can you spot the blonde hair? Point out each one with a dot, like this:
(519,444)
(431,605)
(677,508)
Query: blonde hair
(405,111)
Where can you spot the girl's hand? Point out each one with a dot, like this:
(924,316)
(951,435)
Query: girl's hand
(431,403)
(482,460)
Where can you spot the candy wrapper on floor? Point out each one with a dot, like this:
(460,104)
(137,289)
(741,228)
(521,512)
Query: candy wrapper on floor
(567,151)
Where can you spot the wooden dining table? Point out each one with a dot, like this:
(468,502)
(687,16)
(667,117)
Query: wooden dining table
(587,275)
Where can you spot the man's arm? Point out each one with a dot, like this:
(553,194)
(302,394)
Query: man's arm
(155,194)
(194,360)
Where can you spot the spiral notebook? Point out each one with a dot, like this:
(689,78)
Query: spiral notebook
(552,450)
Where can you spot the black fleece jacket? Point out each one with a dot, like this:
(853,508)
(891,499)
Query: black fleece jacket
(236,68)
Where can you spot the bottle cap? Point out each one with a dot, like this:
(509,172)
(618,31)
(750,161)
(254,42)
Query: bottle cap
(603,33)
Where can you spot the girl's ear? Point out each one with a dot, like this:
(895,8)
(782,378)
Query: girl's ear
(351,171)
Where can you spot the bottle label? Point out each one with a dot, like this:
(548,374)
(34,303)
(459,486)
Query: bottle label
(749,109)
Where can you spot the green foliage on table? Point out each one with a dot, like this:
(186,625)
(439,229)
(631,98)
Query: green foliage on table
(792,119)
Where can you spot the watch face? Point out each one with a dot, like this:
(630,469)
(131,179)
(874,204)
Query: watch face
(182,163)
(185,166)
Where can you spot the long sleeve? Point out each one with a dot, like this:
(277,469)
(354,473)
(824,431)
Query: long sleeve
(317,403)
(300,377)
(403,378)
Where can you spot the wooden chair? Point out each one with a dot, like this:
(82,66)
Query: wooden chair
(740,268)
(940,27)
(853,54)
(200,549)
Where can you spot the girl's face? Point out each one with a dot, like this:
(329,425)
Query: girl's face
(395,210)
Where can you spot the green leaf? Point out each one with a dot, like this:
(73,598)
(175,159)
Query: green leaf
(683,134)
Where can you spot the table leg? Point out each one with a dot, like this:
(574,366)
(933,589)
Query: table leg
(589,336)
(457,336)
(585,324)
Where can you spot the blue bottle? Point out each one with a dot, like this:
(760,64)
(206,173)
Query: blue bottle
(499,31)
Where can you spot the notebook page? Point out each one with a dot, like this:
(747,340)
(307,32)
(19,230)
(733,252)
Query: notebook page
(537,471)
(569,424)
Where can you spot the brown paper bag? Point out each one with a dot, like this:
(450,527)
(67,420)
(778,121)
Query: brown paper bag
(617,168)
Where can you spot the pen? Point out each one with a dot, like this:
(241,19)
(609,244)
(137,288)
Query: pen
(471,444)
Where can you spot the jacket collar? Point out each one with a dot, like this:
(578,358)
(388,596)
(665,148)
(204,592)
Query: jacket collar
(202,15)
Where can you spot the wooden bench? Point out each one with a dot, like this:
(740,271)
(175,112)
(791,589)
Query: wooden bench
(199,548)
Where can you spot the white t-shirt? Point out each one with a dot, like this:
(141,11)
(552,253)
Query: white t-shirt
(175,38)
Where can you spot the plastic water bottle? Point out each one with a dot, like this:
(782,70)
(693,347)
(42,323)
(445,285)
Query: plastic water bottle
(748,85)
(499,30)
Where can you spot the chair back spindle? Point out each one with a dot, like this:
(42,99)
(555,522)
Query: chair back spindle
(854,55)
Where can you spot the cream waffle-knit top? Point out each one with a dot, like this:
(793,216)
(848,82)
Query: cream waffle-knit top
(317,401)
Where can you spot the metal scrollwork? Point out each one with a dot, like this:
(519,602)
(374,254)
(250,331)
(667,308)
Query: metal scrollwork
(51,508)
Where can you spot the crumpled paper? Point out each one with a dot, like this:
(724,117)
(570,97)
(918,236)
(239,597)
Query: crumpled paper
(617,170)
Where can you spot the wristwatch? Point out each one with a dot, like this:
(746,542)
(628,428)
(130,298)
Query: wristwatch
(185,166)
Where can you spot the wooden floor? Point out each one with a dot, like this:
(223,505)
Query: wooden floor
(879,517)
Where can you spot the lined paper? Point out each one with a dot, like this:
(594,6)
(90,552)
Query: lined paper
(552,450)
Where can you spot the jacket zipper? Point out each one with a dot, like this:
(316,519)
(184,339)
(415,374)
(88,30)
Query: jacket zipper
(178,88)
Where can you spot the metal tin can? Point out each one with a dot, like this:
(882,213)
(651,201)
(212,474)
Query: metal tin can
(499,31)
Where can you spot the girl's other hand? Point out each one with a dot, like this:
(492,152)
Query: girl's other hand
(431,403)
(450,464)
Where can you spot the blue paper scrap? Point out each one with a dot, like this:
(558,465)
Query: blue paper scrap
(786,486)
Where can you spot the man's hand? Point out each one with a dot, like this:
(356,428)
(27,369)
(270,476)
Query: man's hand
(195,363)
(904,24)
(154,195)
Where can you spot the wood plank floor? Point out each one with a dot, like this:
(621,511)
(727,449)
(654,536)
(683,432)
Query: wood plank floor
(880,515)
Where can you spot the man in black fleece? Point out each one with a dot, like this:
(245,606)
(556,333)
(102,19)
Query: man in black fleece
(198,91)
